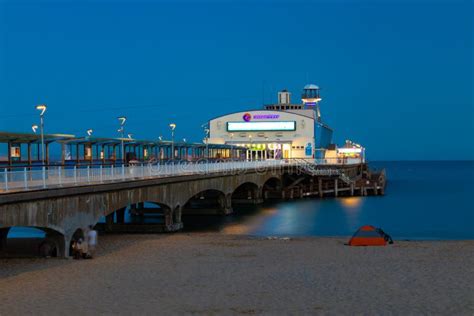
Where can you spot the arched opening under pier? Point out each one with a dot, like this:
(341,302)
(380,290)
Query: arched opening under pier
(145,217)
(27,241)
(207,202)
(272,188)
(247,193)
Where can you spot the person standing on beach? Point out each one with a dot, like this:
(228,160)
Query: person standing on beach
(92,241)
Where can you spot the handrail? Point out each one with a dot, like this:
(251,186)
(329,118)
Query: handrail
(43,177)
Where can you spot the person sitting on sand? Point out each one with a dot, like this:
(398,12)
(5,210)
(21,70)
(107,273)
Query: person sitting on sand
(75,250)
(92,241)
(80,249)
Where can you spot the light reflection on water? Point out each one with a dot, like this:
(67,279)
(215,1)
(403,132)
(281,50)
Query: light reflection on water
(414,207)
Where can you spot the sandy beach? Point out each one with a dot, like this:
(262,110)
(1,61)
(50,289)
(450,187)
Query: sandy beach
(218,274)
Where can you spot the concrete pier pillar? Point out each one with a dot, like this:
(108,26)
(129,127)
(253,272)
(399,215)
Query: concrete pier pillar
(320,187)
(258,195)
(173,219)
(336,191)
(228,204)
(109,222)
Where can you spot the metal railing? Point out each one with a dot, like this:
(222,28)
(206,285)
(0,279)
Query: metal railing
(14,179)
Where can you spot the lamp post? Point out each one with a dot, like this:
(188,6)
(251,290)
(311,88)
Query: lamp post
(42,109)
(231,145)
(121,130)
(172,127)
(251,149)
(89,132)
(206,130)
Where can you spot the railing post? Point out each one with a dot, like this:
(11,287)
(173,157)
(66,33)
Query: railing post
(88,174)
(112,171)
(6,179)
(101,176)
(123,171)
(75,174)
(25,178)
(43,171)
(143,171)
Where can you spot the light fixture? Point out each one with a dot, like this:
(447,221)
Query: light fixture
(172,126)
(42,108)
(34,127)
(130,136)
(122,120)
(89,132)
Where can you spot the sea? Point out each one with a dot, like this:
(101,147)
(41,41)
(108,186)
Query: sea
(424,200)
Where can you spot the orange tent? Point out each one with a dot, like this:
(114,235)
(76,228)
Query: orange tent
(369,236)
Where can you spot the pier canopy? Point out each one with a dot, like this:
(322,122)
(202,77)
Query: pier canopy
(24,150)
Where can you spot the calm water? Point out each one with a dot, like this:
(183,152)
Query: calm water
(423,200)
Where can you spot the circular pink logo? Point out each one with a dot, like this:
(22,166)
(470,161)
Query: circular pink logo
(247,117)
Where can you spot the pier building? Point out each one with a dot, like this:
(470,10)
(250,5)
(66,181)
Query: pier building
(281,130)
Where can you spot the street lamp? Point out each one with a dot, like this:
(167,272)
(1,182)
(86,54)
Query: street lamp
(130,136)
(206,130)
(251,150)
(172,127)
(231,144)
(42,109)
(89,132)
(121,130)
(34,127)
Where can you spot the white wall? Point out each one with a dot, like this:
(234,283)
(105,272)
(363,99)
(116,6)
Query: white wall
(303,134)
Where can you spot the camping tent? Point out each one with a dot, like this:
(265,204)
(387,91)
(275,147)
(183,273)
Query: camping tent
(369,236)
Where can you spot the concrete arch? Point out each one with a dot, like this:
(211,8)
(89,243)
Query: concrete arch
(52,245)
(246,192)
(272,188)
(210,201)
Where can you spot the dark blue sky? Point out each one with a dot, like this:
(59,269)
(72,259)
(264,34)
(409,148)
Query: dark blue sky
(396,76)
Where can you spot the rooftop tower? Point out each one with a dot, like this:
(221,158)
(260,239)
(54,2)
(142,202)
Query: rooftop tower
(311,98)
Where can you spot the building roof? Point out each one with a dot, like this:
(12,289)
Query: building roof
(311,86)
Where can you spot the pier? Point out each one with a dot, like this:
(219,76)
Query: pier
(64,184)
(65,202)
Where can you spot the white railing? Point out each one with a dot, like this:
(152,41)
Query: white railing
(63,176)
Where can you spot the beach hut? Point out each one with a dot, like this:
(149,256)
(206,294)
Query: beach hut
(369,236)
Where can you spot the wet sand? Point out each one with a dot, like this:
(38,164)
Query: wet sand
(218,274)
